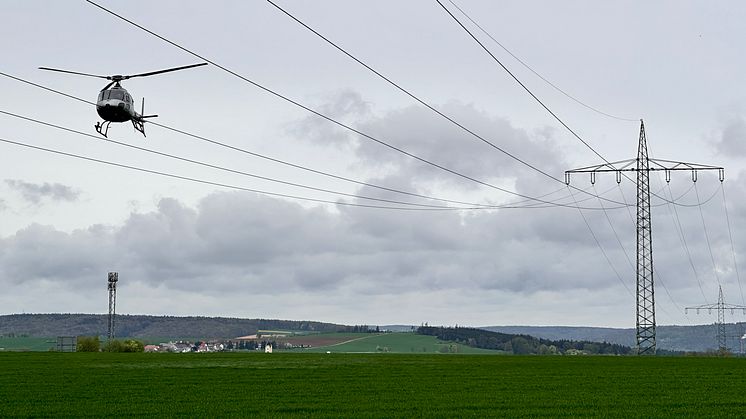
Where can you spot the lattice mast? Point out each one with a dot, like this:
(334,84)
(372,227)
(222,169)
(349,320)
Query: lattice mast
(645,289)
(720,306)
(113,278)
(643,165)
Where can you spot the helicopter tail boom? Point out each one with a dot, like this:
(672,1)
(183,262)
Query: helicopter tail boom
(138,120)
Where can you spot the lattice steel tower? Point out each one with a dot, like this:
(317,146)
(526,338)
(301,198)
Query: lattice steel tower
(643,165)
(113,278)
(721,306)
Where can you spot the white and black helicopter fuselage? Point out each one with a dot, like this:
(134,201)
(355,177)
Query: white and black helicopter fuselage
(115,104)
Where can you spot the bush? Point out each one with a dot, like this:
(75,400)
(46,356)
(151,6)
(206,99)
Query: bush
(88,344)
(129,345)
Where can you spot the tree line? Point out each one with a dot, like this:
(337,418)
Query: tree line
(520,344)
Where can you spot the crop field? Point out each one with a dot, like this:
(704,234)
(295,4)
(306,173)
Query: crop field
(385,342)
(367,385)
(27,344)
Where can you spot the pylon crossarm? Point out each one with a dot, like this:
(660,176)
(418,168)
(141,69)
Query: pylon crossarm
(715,307)
(662,164)
(615,166)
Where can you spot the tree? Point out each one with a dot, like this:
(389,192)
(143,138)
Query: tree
(129,345)
(88,344)
(113,346)
(521,346)
(132,345)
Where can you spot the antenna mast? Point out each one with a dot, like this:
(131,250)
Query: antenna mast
(113,278)
(643,165)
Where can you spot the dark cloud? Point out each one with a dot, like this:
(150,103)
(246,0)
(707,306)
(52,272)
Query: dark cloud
(236,241)
(235,245)
(35,193)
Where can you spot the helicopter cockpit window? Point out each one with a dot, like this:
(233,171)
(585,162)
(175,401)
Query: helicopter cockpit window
(116,94)
(101,95)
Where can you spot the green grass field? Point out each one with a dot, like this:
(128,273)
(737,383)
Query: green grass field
(367,385)
(398,343)
(27,344)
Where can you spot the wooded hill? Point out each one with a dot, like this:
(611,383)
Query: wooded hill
(50,325)
(520,344)
(699,338)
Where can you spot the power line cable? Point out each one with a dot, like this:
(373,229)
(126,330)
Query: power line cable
(225,169)
(270,179)
(629,260)
(484,31)
(487,50)
(413,96)
(707,238)
(220,184)
(732,247)
(317,113)
(598,244)
(540,204)
(682,237)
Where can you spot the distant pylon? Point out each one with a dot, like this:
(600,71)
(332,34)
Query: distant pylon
(721,306)
(643,165)
(113,278)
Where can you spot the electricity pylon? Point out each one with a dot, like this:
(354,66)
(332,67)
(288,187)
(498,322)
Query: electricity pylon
(720,306)
(643,165)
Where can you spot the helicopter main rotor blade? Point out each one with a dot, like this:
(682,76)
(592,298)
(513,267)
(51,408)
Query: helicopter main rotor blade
(74,72)
(108,85)
(163,71)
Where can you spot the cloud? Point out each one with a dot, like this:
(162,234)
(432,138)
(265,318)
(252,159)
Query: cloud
(732,141)
(35,193)
(234,251)
(346,106)
(235,246)
(425,134)
(233,242)
(421,132)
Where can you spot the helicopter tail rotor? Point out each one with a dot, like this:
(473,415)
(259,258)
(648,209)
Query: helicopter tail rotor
(142,115)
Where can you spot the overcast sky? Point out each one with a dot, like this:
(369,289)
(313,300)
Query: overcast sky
(187,248)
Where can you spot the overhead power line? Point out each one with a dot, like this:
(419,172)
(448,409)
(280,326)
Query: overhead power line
(413,96)
(603,252)
(225,169)
(223,185)
(474,206)
(515,204)
(523,63)
(519,81)
(707,239)
(732,246)
(319,114)
(450,119)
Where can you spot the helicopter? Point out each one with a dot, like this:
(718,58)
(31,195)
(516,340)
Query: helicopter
(115,104)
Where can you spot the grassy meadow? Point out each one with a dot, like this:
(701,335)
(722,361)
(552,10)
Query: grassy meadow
(27,344)
(367,385)
(394,343)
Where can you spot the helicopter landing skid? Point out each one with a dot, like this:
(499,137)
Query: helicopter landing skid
(100,126)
